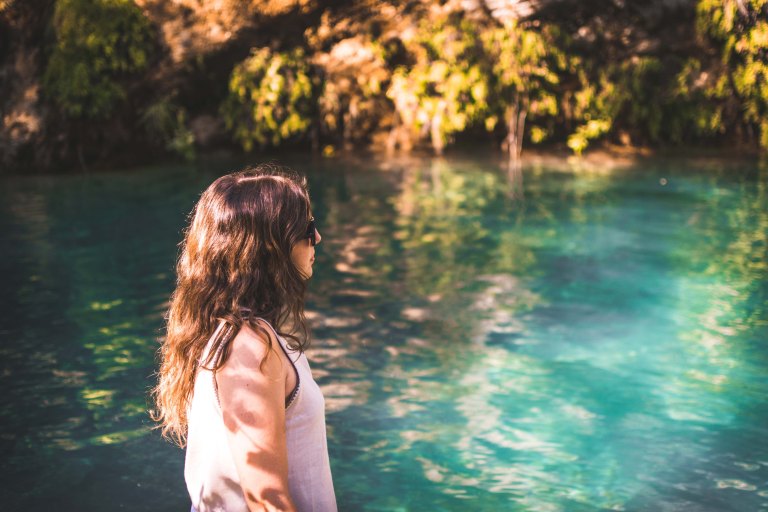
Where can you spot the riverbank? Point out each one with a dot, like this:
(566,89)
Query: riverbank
(92,86)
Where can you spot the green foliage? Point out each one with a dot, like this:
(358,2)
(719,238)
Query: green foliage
(592,129)
(610,93)
(464,73)
(447,73)
(520,58)
(644,98)
(525,68)
(595,106)
(167,122)
(271,98)
(446,89)
(698,103)
(739,31)
(98,44)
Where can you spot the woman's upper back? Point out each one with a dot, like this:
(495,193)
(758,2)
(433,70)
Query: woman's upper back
(212,476)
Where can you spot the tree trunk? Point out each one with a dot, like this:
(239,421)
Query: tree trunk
(515,117)
(80,157)
(510,141)
(522,113)
(435,129)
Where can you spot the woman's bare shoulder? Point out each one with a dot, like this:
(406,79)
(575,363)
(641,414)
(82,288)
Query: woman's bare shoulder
(251,346)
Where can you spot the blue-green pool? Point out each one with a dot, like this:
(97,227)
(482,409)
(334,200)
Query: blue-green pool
(586,338)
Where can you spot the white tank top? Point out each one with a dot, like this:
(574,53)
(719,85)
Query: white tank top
(212,479)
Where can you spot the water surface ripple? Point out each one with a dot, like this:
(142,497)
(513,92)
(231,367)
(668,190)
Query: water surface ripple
(597,342)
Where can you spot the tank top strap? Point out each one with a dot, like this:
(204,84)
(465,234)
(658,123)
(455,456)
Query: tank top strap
(274,331)
(205,355)
(283,344)
(287,351)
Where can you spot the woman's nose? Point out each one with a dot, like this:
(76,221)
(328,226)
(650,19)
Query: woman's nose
(319,237)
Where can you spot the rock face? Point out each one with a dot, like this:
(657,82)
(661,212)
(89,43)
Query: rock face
(354,72)
(188,28)
(23,113)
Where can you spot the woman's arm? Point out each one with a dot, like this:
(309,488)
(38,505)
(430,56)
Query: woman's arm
(252,397)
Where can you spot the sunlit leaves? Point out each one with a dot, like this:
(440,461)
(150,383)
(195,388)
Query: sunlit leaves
(449,71)
(538,134)
(739,32)
(270,98)
(524,70)
(592,129)
(521,59)
(446,89)
(626,94)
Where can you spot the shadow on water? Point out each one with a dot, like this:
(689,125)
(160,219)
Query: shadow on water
(568,338)
(89,262)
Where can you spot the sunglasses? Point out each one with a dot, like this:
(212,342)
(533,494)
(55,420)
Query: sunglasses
(312,231)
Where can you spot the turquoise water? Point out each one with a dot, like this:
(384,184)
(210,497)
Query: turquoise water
(583,339)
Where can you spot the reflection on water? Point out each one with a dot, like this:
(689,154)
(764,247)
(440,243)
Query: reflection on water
(568,338)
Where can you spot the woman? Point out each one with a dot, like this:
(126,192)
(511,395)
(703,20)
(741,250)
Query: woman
(234,382)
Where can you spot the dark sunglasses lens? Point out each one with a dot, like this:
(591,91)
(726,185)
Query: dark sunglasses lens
(311,232)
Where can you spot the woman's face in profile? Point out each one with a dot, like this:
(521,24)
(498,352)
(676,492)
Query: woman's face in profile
(303,254)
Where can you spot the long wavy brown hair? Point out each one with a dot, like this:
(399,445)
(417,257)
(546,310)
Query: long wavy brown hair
(234,265)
